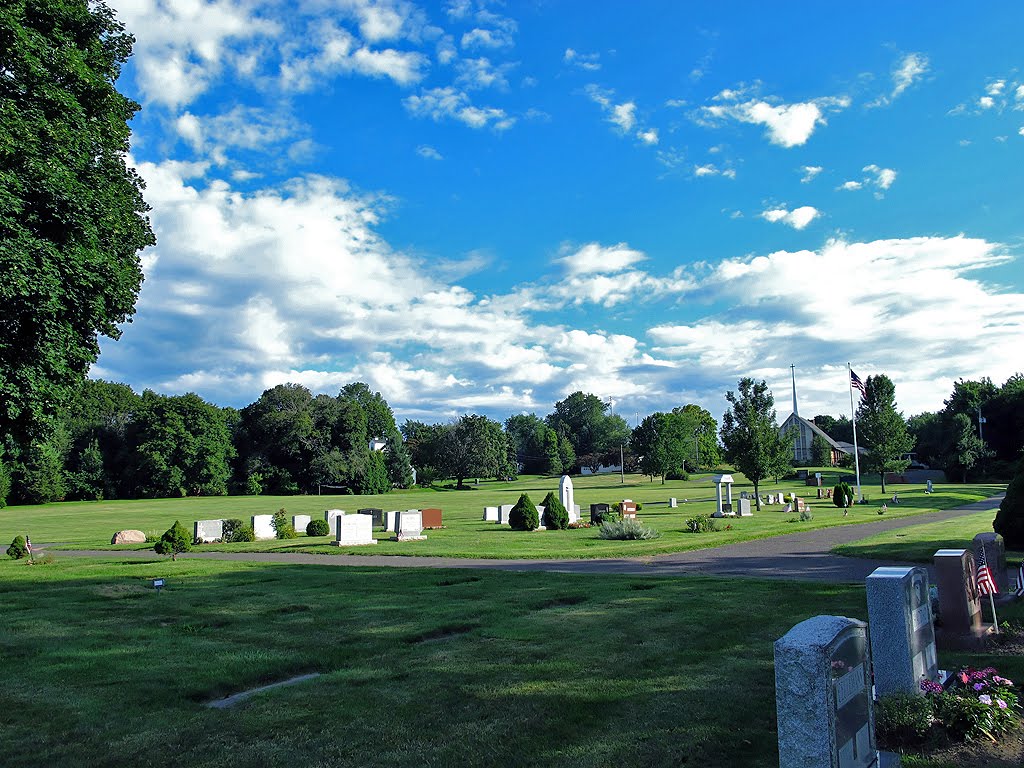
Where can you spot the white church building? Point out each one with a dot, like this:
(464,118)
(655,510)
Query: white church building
(805,433)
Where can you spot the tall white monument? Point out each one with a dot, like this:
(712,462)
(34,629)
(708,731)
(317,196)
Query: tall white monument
(565,493)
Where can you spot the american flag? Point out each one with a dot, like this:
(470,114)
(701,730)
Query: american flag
(856,383)
(986,584)
(1020,581)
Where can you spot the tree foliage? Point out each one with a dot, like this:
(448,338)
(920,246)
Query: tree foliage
(821,451)
(175,540)
(475,446)
(72,216)
(556,516)
(1009,522)
(595,435)
(751,436)
(523,516)
(882,428)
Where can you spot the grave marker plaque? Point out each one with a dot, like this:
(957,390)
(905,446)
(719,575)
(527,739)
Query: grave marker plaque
(503,511)
(409,526)
(902,633)
(431,518)
(208,530)
(354,531)
(376,515)
(995,556)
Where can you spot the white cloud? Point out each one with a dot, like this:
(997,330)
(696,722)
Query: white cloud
(907,71)
(428,152)
(650,136)
(441,103)
(710,169)
(479,74)
(1020,132)
(787,125)
(809,172)
(622,116)
(595,258)
(798,218)
(874,176)
(588,61)
(244,128)
(986,102)
(851,185)
(995,88)
(487,38)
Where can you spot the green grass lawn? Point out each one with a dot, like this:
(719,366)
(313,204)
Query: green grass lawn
(92,524)
(419,667)
(918,543)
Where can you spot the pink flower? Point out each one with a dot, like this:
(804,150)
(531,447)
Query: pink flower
(1001,703)
(985,699)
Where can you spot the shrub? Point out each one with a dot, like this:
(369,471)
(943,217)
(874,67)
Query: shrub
(903,720)
(701,524)
(678,474)
(318,528)
(840,493)
(283,528)
(237,530)
(806,515)
(17,550)
(174,541)
(523,516)
(629,529)
(556,517)
(613,514)
(1009,522)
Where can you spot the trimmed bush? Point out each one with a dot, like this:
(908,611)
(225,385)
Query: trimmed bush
(523,516)
(174,541)
(556,516)
(629,529)
(318,528)
(840,493)
(805,515)
(903,720)
(283,528)
(17,550)
(1009,522)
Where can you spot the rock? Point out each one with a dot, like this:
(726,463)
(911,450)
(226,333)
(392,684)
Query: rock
(129,537)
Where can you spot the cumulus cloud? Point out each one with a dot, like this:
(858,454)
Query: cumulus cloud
(798,218)
(595,258)
(242,128)
(428,152)
(622,115)
(710,169)
(588,61)
(876,177)
(450,103)
(479,74)
(787,125)
(809,172)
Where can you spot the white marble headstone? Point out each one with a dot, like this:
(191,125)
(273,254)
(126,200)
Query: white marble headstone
(354,531)
(331,516)
(263,527)
(409,525)
(299,522)
(490,514)
(208,530)
(565,493)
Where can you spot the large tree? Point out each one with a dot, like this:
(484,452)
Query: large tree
(751,436)
(475,446)
(595,435)
(72,216)
(882,428)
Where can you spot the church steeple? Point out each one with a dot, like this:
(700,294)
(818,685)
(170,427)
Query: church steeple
(792,369)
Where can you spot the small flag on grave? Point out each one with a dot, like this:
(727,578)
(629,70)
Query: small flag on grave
(1020,581)
(986,584)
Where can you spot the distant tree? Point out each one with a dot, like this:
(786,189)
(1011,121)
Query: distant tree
(567,454)
(595,435)
(556,516)
(85,477)
(931,437)
(373,479)
(175,540)
(840,430)
(751,436)
(967,450)
(426,449)
(474,446)
(699,432)
(526,434)
(821,452)
(656,446)
(396,457)
(380,420)
(883,428)
(72,217)
(552,456)
(37,475)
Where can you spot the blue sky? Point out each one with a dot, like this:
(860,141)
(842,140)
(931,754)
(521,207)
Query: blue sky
(482,207)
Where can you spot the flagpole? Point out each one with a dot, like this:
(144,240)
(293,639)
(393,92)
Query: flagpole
(853,418)
(992,602)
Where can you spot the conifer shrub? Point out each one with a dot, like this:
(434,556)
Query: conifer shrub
(556,516)
(175,540)
(523,516)
(840,493)
(1009,522)
(318,528)
(17,550)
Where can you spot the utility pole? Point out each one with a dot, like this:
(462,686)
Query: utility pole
(622,466)
(696,447)
(981,420)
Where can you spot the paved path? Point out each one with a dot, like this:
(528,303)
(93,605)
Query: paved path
(802,556)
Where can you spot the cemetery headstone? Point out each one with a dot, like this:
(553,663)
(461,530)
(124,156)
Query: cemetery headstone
(503,511)
(377,515)
(928,487)
(598,512)
(431,518)
(262,527)
(565,493)
(823,695)
(490,514)
(995,556)
(208,530)
(389,520)
(331,516)
(771,498)
(354,531)
(719,481)
(299,522)
(744,508)
(540,518)
(959,600)
(409,526)
(628,508)
(902,633)
(673,502)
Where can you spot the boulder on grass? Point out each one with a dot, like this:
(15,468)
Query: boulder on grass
(129,537)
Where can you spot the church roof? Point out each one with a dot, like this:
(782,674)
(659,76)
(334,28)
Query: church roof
(816,430)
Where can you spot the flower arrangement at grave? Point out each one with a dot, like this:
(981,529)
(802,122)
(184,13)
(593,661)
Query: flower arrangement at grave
(981,704)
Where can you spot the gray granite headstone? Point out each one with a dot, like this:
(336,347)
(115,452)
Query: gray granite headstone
(823,695)
(744,508)
(959,599)
(995,556)
(598,512)
(377,515)
(299,522)
(566,493)
(902,634)
(503,511)
(490,514)
(208,530)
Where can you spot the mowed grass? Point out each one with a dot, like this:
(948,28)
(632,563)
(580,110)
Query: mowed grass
(918,543)
(418,667)
(91,524)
